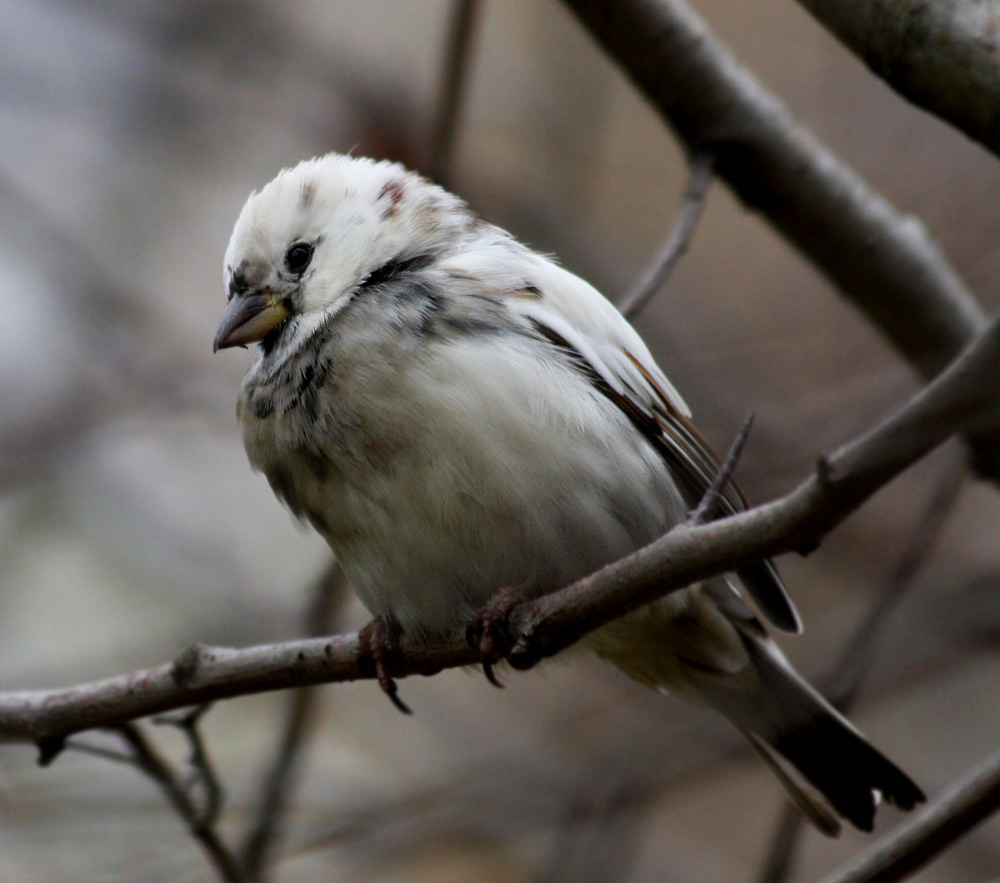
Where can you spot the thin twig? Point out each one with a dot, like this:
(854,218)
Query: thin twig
(149,761)
(857,659)
(708,507)
(267,827)
(202,770)
(961,808)
(453,82)
(677,240)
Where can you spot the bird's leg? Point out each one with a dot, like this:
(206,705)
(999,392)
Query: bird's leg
(489,634)
(379,654)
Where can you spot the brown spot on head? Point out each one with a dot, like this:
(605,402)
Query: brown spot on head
(393,192)
(249,275)
(307,192)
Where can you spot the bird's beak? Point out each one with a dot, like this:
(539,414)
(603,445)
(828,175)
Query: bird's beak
(248,318)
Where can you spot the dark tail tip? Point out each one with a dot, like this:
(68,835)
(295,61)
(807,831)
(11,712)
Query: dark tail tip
(847,770)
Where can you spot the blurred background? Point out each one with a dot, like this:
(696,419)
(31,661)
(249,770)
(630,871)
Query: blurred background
(131,525)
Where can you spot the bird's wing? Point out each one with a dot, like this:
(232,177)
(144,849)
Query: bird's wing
(574,316)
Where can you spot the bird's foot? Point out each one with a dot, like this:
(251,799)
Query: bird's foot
(379,655)
(489,631)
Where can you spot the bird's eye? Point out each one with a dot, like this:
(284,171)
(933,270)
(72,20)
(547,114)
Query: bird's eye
(298,256)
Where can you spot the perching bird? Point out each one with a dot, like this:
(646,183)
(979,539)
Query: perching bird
(456,414)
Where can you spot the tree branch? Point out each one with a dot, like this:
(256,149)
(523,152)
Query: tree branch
(942,56)
(677,239)
(454,79)
(885,263)
(267,826)
(962,397)
(146,758)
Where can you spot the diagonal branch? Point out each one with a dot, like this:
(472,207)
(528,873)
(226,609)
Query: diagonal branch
(856,658)
(454,79)
(147,759)
(884,262)
(962,397)
(942,56)
(676,243)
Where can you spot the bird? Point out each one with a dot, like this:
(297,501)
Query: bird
(459,416)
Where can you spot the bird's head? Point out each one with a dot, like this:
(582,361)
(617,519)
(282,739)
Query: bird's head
(307,242)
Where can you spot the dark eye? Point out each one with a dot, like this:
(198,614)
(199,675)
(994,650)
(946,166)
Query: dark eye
(298,256)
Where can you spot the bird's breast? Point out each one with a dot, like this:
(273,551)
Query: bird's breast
(484,463)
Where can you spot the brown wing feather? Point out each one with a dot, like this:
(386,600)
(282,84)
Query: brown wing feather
(694,465)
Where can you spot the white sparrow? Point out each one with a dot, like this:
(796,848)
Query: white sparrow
(456,414)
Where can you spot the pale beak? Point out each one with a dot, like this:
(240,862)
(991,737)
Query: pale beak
(248,318)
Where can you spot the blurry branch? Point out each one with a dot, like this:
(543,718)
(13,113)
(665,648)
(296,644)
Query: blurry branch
(884,262)
(676,243)
(962,397)
(128,366)
(455,76)
(856,660)
(199,822)
(966,804)
(942,56)
(203,774)
(267,827)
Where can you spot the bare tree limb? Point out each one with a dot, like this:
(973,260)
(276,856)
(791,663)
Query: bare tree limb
(943,56)
(884,262)
(455,76)
(962,397)
(855,661)
(267,826)
(202,769)
(676,243)
(149,761)
(963,806)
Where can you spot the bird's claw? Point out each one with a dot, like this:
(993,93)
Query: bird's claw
(379,654)
(489,634)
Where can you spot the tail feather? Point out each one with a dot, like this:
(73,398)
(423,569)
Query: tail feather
(829,753)
(807,800)
(706,645)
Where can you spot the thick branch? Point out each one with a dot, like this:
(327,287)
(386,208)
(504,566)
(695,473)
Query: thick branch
(943,56)
(961,398)
(884,262)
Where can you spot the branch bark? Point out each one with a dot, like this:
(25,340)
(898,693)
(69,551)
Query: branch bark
(942,56)
(884,262)
(962,397)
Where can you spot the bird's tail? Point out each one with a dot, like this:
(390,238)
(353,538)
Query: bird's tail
(706,646)
(820,758)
